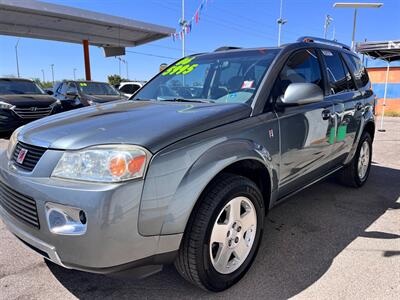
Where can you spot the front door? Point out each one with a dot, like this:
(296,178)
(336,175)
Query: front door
(305,130)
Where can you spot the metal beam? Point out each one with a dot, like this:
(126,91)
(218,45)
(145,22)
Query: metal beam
(87,59)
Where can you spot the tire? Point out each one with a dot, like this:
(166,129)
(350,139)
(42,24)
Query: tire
(350,175)
(196,261)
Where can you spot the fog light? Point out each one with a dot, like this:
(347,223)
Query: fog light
(65,220)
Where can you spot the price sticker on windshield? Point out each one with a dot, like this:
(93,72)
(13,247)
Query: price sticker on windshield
(183,66)
(247,84)
(83,84)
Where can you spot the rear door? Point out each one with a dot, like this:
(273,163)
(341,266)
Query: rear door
(305,129)
(347,101)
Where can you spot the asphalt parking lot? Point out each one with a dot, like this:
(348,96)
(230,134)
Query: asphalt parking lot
(327,242)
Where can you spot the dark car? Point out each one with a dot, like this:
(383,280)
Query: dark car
(22,101)
(185,171)
(76,94)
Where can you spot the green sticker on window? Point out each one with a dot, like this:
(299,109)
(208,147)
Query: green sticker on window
(181,67)
(83,84)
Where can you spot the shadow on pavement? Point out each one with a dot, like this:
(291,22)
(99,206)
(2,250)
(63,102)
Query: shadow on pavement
(301,239)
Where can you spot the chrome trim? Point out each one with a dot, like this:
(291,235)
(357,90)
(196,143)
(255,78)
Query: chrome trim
(32,112)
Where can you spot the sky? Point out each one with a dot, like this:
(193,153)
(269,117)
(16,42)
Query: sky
(243,23)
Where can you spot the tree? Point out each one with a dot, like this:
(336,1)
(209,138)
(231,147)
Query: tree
(114,79)
(43,84)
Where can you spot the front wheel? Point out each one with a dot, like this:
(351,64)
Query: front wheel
(357,172)
(223,234)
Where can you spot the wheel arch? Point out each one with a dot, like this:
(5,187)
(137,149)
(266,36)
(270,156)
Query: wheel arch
(239,157)
(370,128)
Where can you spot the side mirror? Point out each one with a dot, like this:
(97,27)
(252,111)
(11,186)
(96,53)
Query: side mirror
(72,95)
(48,92)
(302,93)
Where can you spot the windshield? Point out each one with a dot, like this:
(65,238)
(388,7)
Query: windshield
(18,87)
(226,77)
(97,88)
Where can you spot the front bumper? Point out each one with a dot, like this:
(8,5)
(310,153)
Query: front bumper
(111,242)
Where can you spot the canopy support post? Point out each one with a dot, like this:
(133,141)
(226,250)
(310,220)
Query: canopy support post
(384,97)
(87,59)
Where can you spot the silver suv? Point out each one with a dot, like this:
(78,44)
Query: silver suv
(186,171)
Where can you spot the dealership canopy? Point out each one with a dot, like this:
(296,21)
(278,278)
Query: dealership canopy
(388,51)
(34,19)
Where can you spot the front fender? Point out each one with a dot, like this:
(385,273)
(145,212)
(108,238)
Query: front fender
(177,178)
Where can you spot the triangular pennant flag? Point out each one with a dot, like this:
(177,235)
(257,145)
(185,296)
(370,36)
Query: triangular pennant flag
(197,16)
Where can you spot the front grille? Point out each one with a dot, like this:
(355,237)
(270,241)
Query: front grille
(33,112)
(18,205)
(31,158)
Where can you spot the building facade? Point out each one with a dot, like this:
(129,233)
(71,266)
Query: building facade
(378,78)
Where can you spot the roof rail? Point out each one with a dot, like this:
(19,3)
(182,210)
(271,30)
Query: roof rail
(226,48)
(311,39)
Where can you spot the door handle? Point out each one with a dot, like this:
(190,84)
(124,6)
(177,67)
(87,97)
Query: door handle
(326,114)
(359,106)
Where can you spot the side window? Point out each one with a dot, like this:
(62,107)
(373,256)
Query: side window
(302,67)
(351,85)
(336,72)
(359,71)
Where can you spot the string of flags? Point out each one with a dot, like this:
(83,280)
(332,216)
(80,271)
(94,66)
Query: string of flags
(186,25)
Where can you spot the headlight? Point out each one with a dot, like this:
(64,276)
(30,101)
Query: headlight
(13,141)
(57,103)
(108,163)
(5,105)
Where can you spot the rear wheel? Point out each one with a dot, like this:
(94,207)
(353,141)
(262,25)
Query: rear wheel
(223,234)
(357,172)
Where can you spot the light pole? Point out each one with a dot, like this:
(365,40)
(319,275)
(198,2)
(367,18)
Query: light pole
(356,5)
(127,70)
(16,56)
(43,80)
(52,72)
(280,23)
(74,70)
(328,20)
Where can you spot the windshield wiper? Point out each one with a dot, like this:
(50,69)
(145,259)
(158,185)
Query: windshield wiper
(188,100)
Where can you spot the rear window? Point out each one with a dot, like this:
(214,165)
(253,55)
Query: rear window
(129,88)
(19,87)
(359,71)
(97,88)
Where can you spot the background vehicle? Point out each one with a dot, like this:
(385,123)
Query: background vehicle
(186,171)
(128,88)
(76,94)
(22,101)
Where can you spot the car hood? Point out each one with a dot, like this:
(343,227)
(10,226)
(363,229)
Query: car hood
(28,100)
(151,124)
